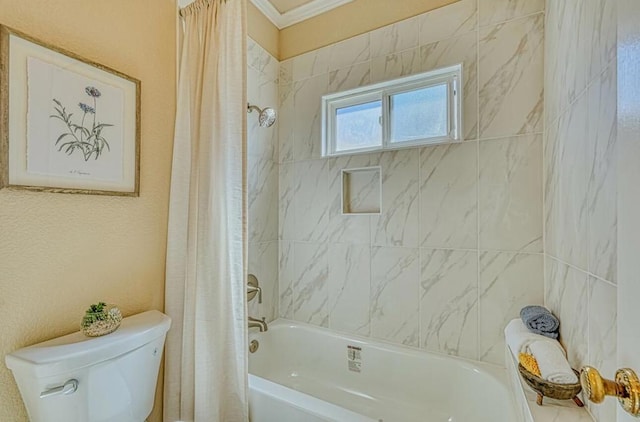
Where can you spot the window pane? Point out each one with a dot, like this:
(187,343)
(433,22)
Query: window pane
(419,114)
(359,126)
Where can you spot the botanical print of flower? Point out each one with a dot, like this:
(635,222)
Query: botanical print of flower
(88,140)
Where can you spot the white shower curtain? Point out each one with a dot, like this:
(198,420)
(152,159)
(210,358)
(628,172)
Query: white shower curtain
(206,352)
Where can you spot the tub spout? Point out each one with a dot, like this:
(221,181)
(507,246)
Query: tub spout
(258,323)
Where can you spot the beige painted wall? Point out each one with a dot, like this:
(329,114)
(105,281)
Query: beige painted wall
(59,253)
(262,30)
(347,21)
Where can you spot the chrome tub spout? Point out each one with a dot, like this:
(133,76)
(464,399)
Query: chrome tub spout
(258,323)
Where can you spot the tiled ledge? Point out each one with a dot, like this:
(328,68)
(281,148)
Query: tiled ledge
(550,411)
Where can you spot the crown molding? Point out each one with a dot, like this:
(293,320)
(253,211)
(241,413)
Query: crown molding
(306,11)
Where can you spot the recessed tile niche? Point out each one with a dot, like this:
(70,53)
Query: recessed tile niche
(361,191)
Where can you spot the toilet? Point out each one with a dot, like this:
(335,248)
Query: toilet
(93,379)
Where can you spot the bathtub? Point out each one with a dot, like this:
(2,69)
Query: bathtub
(303,373)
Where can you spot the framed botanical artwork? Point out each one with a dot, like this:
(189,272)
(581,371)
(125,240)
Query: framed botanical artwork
(67,124)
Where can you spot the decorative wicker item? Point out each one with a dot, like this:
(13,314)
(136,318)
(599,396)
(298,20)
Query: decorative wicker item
(101,319)
(552,390)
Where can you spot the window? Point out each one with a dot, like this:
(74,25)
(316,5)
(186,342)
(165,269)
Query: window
(415,110)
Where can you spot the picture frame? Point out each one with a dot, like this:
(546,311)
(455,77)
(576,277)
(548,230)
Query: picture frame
(67,124)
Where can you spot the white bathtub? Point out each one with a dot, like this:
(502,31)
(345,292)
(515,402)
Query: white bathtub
(301,373)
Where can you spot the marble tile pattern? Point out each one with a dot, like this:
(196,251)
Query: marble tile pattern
(511,194)
(263,263)
(508,282)
(390,39)
(286,119)
(310,287)
(307,116)
(349,288)
(449,291)
(603,338)
(566,200)
(579,170)
(349,52)
(463,49)
(311,200)
(449,22)
(459,241)
(567,295)
(511,77)
(350,77)
(567,54)
(492,12)
(262,200)
(396,225)
(310,64)
(285,279)
(286,210)
(395,304)
(353,229)
(602,178)
(411,275)
(395,65)
(601,26)
(262,147)
(262,182)
(449,196)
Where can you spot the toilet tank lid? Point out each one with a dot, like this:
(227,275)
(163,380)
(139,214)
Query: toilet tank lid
(75,351)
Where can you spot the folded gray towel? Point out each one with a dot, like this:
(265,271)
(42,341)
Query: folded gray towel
(540,320)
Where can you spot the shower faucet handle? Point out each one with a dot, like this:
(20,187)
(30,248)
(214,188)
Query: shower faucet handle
(253,288)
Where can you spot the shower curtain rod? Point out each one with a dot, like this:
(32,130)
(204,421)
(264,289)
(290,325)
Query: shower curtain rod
(196,4)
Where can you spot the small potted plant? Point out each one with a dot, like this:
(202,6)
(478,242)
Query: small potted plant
(101,319)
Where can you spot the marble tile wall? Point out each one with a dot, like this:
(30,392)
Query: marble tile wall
(580,181)
(263,174)
(458,248)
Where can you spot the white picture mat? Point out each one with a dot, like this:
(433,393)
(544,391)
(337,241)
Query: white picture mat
(19,52)
(46,157)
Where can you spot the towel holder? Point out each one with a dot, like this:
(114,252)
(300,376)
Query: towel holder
(552,390)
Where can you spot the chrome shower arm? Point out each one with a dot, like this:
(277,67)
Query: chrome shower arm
(250,108)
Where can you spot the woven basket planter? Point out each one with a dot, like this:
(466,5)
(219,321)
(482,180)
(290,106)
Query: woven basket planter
(552,390)
(101,319)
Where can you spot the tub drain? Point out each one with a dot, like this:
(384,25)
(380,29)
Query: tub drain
(253,346)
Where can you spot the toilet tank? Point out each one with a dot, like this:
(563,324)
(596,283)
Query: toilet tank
(116,374)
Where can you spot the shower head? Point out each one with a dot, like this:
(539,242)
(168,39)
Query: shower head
(266,116)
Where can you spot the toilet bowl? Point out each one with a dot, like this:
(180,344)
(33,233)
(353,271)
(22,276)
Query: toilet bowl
(93,379)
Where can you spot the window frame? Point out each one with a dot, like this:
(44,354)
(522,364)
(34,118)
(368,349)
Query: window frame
(383,91)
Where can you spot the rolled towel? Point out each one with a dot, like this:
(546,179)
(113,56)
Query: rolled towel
(552,363)
(540,320)
(519,338)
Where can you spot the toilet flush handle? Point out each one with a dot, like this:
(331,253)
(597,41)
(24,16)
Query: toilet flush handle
(68,387)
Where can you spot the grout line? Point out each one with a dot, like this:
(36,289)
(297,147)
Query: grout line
(369,301)
(418,48)
(515,18)
(562,112)
(478,273)
(520,135)
(420,339)
(431,248)
(582,271)
(543,163)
